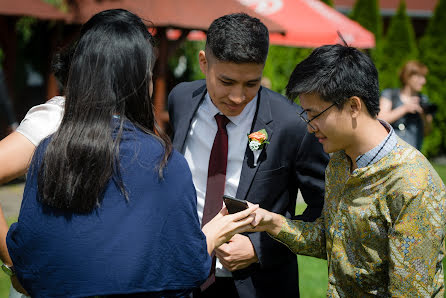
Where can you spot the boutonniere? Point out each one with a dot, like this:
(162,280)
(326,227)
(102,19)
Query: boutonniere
(257,140)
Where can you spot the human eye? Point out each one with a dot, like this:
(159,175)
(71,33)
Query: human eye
(226,83)
(304,115)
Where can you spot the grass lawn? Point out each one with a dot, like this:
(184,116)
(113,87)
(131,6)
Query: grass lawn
(312,271)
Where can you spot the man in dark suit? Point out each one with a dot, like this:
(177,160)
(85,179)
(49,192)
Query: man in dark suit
(211,120)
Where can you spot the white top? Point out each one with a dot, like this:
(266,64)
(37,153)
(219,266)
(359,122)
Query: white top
(42,120)
(198,146)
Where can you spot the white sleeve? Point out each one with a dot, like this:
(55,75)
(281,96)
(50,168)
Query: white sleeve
(42,120)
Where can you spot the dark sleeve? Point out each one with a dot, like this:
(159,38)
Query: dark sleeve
(311,162)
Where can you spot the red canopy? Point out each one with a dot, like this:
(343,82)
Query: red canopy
(190,14)
(34,8)
(308,23)
(311,23)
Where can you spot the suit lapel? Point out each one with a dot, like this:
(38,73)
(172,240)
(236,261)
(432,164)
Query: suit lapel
(262,120)
(186,116)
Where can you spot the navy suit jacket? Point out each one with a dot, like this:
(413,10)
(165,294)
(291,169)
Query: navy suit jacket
(292,160)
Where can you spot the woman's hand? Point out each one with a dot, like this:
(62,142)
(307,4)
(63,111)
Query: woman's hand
(266,221)
(223,226)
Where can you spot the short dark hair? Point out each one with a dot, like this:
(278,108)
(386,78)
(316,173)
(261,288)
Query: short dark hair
(336,73)
(238,38)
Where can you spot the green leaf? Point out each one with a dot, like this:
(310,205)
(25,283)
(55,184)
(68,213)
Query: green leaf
(264,132)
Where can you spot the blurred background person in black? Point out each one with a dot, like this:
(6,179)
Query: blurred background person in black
(406,108)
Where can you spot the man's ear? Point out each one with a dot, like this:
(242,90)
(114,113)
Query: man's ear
(355,105)
(202,60)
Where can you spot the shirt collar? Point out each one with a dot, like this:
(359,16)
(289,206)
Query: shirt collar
(376,154)
(213,110)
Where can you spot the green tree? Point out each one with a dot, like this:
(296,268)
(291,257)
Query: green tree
(328,2)
(61,4)
(366,13)
(280,64)
(398,47)
(187,54)
(432,49)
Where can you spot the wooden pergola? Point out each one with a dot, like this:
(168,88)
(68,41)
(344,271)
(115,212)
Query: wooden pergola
(159,14)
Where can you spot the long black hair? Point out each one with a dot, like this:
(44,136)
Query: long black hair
(110,75)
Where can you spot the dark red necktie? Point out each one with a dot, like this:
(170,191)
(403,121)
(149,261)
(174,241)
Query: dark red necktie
(215,187)
(218,160)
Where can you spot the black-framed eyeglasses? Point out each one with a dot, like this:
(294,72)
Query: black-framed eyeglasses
(304,116)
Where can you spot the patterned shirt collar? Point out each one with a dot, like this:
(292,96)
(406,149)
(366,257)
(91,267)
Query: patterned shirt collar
(374,155)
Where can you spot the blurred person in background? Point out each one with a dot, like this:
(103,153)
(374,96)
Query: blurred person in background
(408,110)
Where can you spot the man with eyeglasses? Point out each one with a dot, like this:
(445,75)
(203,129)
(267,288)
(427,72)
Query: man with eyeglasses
(382,226)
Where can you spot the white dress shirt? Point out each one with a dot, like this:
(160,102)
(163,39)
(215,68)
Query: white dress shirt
(198,146)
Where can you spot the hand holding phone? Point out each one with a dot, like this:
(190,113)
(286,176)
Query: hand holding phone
(234,205)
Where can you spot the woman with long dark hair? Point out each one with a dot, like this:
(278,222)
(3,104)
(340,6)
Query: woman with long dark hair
(109,208)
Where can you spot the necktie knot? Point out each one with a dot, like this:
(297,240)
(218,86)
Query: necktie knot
(222,121)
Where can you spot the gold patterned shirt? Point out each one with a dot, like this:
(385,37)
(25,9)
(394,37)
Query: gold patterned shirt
(381,229)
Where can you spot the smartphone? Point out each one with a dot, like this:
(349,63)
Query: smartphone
(234,205)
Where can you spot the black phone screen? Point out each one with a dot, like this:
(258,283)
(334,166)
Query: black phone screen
(234,205)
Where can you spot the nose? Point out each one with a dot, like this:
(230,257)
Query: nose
(311,128)
(237,96)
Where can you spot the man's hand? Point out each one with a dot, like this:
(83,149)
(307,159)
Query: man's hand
(237,254)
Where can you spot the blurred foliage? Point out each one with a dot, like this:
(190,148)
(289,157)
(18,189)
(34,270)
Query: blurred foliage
(281,63)
(366,13)
(328,2)
(187,53)
(24,28)
(61,4)
(432,50)
(398,47)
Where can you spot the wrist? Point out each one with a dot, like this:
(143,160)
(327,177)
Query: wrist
(275,226)
(210,239)
(8,269)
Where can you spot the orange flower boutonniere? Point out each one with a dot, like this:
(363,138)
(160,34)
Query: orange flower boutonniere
(257,140)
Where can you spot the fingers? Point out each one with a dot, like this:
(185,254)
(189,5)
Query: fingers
(243,225)
(222,250)
(224,211)
(242,214)
(257,219)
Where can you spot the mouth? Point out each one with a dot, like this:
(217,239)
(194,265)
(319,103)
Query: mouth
(321,139)
(232,107)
